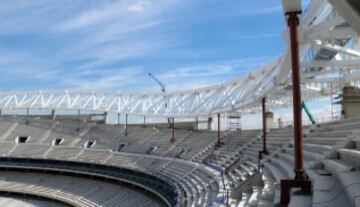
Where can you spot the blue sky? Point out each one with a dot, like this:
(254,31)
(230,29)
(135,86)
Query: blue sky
(108,45)
(112,45)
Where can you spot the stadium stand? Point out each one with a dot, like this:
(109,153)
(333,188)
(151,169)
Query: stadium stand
(199,170)
(81,161)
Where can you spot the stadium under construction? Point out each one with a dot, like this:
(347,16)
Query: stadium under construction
(81,159)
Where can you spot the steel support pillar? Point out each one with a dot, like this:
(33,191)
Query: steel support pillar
(173,130)
(126,124)
(293,23)
(264,125)
(264,149)
(144,121)
(218,130)
(119,118)
(300,180)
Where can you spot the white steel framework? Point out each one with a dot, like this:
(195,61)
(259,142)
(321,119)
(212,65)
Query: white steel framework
(330,51)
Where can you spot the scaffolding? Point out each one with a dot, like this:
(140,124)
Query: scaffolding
(234,122)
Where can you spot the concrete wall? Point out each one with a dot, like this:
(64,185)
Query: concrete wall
(351,102)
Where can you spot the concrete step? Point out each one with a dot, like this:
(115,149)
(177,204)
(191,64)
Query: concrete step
(339,126)
(285,166)
(350,155)
(317,147)
(325,141)
(351,183)
(327,190)
(337,166)
(298,200)
(277,173)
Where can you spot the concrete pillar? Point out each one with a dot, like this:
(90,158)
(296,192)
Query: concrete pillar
(218,129)
(196,124)
(350,102)
(173,130)
(209,122)
(126,124)
(105,117)
(27,116)
(269,118)
(78,120)
(53,114)
(169,122)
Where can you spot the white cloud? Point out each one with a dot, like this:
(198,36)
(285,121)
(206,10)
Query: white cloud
(255,36)
(105,79)
(139,6)
(119,30)
(120,34)
(198,71)
(216,68)
(127,13)
(92,16)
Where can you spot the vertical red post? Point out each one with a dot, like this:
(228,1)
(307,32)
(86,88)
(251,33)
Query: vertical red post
(218,128)
(293,23)
(300,180)
(264,124)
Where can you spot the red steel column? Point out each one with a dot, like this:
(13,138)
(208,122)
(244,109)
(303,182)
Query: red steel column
(293,23)
(218,116)
(264,124)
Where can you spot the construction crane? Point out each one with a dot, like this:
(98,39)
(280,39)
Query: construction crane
(162,86)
